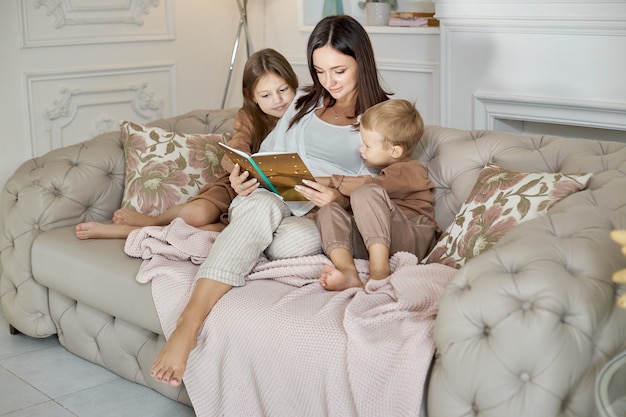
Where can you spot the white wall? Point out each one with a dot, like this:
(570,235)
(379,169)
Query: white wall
(181,53)
(536,62)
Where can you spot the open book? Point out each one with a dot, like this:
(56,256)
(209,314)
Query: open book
(278,172)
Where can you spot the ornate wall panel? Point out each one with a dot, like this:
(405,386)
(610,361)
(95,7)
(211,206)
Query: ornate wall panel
(76,22)
(65,108)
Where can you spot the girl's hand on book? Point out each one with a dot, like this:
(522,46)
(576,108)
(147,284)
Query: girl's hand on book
(240,182)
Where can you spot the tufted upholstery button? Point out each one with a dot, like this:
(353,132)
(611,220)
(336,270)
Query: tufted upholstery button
(526,305)
(524,377)
(486,331)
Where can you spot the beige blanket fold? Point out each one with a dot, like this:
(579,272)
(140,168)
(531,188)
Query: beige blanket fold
(282,345)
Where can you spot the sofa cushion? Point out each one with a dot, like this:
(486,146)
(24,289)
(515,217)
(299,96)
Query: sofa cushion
(165,168)
(95,272)
(499,200)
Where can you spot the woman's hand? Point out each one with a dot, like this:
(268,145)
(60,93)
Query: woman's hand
(240,182)
(318,194)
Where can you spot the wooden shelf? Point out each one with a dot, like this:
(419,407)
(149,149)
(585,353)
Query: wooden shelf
(393,30)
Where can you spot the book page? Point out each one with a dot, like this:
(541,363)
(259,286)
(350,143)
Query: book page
(244,161)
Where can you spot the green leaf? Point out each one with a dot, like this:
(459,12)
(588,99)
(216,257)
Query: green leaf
(527,186)
(523,207)
(543,205)
(181,163)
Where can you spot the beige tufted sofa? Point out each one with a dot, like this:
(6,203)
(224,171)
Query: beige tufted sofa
(523,329)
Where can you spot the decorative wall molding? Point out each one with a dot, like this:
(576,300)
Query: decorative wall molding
(66,13)
(489,107)
(601,17)
(79,22)
(64,107)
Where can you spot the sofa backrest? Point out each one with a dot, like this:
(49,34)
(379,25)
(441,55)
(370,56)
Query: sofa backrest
(455,157)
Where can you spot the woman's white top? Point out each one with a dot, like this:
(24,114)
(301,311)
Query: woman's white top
(325,148)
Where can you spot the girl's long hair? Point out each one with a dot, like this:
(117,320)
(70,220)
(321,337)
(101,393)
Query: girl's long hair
(346,35)
(259,64)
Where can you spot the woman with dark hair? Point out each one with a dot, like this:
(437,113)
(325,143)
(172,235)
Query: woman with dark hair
(320,126)
(347,36)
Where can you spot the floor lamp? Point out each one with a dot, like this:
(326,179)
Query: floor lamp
(243,25)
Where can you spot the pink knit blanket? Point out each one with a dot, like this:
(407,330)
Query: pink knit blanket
(282,345)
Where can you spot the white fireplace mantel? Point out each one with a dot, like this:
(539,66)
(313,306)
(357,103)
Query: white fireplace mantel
(555,61)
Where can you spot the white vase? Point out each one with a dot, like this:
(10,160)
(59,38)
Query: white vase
(377,14)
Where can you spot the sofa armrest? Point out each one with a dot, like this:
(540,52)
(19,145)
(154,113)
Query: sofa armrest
(524,328)
(66,186)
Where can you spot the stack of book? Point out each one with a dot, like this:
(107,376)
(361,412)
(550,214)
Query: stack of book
(413,19)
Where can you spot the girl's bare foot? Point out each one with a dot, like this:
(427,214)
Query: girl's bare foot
(335,280)
(94,230)
(131,217)
(170,364)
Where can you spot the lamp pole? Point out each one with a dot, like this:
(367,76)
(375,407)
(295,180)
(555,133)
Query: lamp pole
(243,25)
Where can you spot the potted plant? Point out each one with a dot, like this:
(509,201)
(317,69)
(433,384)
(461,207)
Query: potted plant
(378,11)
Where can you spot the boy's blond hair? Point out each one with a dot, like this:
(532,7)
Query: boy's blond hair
(398,121)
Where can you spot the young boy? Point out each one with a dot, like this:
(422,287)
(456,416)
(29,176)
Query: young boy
(390,213)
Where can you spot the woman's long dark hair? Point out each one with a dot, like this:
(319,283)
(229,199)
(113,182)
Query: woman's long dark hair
(346,35)
(260,63)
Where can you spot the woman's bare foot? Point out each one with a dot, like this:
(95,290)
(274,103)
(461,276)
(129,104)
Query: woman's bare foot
(94,230)
(335,280)
(131,217)
(170,364)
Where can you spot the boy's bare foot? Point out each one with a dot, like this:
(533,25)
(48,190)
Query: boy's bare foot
(335,280)
(170,364)
(379,274)
(131,217)
(94,230)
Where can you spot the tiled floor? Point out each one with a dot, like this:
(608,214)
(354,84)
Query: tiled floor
(39,378)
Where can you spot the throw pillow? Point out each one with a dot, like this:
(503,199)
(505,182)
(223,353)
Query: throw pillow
(167,168)
(499,201)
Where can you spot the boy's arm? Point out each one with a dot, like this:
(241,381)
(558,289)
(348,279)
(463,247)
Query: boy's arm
(400,180)
(324,181)
(345,184)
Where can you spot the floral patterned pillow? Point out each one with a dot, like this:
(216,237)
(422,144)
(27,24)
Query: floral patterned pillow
(499,201)
(167,168)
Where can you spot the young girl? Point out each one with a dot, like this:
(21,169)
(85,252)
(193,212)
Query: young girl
(269,85)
